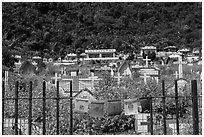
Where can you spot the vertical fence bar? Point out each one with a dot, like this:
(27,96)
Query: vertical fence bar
(177,110)
(164,106)
(71,110)
(195,107)
(44,107)
(57,107)
(3,93)
(30,110)
(16,108)
(151,116)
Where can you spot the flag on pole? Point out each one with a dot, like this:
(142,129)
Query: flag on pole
(114,108)
(96,109)
(131,106)
(81,105)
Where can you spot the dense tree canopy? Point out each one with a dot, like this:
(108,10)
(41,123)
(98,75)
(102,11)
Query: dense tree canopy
(65,27)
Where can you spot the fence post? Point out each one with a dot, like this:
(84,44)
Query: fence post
(195,107)
(177,110)
(3,92)
(164,106)
(57,107)
(151,115)
(30,110)
(71,110)
(16,108)
(44,107)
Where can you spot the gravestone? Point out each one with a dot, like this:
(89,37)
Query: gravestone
(160,130)
(172,124)
(150,72)
(180,67)
(146,61)
(143,123)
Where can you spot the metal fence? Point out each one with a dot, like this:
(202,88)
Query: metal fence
(19,124)
(174,122)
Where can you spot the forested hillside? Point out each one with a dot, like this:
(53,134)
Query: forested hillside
(60,28)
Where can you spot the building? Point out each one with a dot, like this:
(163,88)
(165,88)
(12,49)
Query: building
(148,49)
(101,54)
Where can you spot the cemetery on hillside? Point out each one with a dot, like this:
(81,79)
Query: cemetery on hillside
(101,68)
(103,87)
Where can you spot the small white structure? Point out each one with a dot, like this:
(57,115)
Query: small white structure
(50,60)
(142,122)
(191,58)
(56,78)
(71,57)
(118,78)
(149,73)
(180,66)
(146,60)
(147,49)
(59,59)
(45,60)
(145,78)
(176,75)
(101,54)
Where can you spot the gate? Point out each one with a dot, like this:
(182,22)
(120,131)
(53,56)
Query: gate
(164,125)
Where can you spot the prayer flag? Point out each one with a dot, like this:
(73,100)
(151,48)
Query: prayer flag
(96,108)
(131,106)
(114,108)
(81,105)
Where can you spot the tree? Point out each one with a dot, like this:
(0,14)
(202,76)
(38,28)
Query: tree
(135,23)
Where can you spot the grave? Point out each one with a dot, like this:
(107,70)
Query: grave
(78,82)
(180,68)
(150,72)
(147,49)
(172,124)
(145,78)
(118,77)
(85,94)
(160,130)
(10,122)
(143,123)
(176,74)
(146,61)
(5,75)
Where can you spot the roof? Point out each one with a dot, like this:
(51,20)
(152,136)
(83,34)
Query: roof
(17,56)
(82,91)
(184,50)
(170,47)
(101,51)
(36,57)
(83,54)
(149,47)
(174,56)
(125,62)
(4,67)
(71,55)
(27,64)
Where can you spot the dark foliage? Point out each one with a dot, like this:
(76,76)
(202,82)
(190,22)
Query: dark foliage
(65,27)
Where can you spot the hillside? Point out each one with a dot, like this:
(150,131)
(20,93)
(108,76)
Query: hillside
(60,28)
